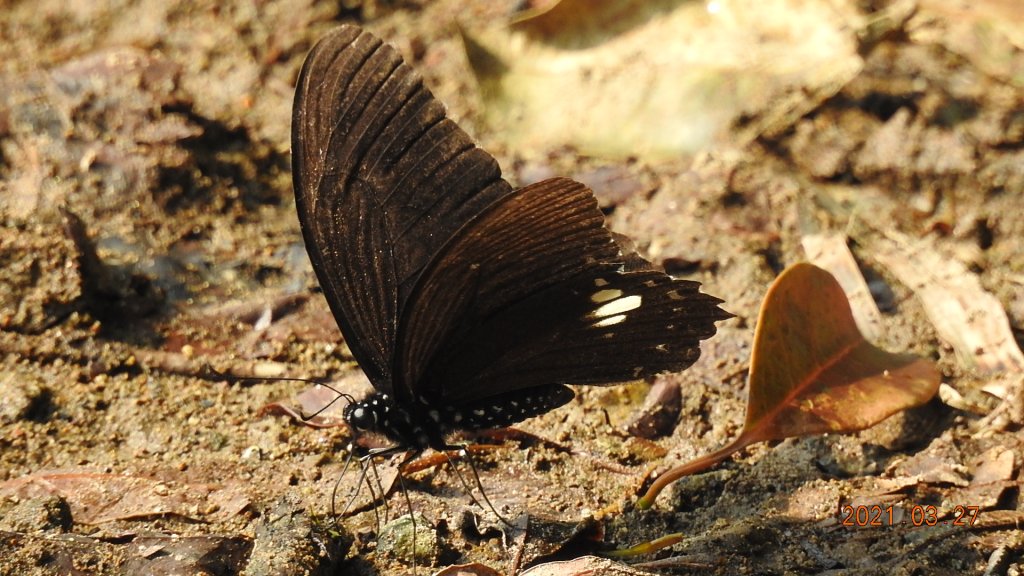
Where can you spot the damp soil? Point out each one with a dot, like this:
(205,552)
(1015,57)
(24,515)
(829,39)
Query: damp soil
(152,262)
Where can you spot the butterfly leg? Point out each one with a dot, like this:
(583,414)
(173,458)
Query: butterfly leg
(463,451)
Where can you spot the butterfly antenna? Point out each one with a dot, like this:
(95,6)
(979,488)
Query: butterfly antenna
(464,454)
(329,404)
(218,375)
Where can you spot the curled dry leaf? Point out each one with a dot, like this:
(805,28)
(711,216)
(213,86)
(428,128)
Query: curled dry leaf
(993,475)
(830,252)
(587,73)
(811,371)
(159,554)
(473,569)
(964,314)
(648,547)
(657,417)
(585,565)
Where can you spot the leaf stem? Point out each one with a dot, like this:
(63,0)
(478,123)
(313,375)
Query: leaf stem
(693,467)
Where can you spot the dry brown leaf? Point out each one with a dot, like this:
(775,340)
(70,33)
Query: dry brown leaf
(96,498)
(939,463)
(830,252)
(631,78)
(167,555)
(812,372)
(660,411)
(993,475)
(989,33)
(964,314)
(473,569)
(585,565)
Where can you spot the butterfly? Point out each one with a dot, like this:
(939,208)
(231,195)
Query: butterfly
(469,304)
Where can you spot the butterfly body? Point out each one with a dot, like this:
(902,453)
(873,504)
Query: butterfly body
(422,425)
(467,303)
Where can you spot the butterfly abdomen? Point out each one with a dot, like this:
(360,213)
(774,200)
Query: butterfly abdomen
(422,425)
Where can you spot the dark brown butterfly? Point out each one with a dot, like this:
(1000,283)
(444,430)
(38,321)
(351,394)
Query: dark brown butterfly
(467,303)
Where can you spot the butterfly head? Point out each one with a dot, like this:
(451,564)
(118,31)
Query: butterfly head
(370,414)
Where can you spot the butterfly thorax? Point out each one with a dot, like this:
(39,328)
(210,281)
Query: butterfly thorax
(425,424)
(378,413)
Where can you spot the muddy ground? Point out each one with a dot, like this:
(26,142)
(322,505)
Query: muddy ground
(150,250)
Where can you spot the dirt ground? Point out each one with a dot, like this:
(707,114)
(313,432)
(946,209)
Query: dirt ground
(150,250)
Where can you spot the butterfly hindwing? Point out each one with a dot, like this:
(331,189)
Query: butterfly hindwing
(537,291)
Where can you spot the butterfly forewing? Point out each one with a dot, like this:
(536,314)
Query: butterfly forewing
(382,181)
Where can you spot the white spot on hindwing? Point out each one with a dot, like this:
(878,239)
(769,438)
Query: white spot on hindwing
(605,295)
(618,306)
(600,282)
(610,321)
(614,310)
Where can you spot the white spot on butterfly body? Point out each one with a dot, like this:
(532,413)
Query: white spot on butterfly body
(605,295)
(618,306)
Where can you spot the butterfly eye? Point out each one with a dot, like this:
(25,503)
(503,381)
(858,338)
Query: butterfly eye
(361,416)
